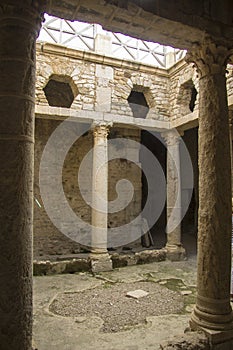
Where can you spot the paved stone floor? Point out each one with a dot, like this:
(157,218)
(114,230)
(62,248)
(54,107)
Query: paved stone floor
(52,331)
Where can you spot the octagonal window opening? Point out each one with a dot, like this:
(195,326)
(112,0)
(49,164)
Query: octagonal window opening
(60,91)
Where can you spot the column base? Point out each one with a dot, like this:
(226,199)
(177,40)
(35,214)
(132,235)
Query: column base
(175,252)
(100,262)
(218,340)
(219,330)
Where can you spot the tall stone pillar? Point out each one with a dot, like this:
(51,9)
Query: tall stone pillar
(100,258)
(213,311)
(175,250)
(231,139)
(19,26)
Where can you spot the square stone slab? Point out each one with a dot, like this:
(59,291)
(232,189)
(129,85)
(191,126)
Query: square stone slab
(136,294)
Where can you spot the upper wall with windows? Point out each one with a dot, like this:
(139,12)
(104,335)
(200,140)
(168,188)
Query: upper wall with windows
(90,82)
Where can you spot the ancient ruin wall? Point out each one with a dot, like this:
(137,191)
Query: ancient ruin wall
(48,241)
(167,94)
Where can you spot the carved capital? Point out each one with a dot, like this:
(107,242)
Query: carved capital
(209,57)
(31,12)
(101,129)
(171,138)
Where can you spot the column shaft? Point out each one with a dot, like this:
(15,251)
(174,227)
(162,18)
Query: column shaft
(213,310)
(100,258)
(175,251)
(173,194)
(100,189)
(19,27)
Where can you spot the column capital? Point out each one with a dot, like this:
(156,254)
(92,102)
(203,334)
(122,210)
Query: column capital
(171,137)
(209,57)
(101,129)
(31,11)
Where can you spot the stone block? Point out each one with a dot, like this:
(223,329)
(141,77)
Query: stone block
(177,254)
(148,256)
(137,294)
(41,268)
(104,72)
(100,263)
(103,99)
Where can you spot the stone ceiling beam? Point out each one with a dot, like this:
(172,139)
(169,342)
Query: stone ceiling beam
(177,23)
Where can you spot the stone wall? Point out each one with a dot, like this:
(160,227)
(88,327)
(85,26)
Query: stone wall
(99,87)
(120,169)
(80,73)
(47,238)
(153,86)
(104,88)
(183,78)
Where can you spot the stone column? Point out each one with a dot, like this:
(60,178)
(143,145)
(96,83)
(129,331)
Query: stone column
(213,311)
(175,250)
(231,138)
(19,27)
(100,258)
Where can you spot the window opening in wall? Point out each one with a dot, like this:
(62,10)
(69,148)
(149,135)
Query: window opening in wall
(187,97)
(138,104)
(193,99)
(58,93)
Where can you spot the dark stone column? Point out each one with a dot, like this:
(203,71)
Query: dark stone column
(19,26)
(213,311)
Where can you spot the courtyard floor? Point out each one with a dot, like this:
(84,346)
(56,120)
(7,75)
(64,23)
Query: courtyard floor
(82,311)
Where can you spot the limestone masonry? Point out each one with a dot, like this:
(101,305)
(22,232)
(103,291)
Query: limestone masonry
(97,88)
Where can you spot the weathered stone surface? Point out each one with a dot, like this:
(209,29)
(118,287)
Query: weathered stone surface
(99,202)
(47,239)
(148,256)
(213,310)
(19,26)
(175,253)
(84,262)
(189,341)
(106,88)
(100,262)
(121,260)
(48,267)
(182,79)
(168,93)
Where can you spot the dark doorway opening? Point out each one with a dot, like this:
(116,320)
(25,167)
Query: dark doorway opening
(152,142)
(189,222)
